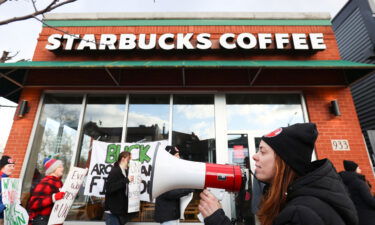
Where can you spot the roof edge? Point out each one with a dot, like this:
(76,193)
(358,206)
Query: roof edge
(189,15)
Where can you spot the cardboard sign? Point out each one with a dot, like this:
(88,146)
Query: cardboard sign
(134,187)
(14,214)
(71,187)
(103,156)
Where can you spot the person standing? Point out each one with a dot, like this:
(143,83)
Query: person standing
(6,169)
(167,206)
(46,192)
(300,192)
(359,191)
(116,191)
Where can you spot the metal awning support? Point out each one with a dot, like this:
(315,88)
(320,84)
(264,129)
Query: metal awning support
(5,75)
(256,76)
(113,78)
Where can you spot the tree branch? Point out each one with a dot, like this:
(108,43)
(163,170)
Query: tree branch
(54,4)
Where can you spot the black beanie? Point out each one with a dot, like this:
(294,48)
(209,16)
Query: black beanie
(294,145)
(350,165)
(5,160)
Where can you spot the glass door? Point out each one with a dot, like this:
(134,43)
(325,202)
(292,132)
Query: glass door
(242,145)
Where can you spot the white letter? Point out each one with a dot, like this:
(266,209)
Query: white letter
(184,40)
(224,43)
(107,40)
(87,41)
(264,40)
(70,40)
(54,41)
(281,40)
(127,41)
(317,41)
(203,40)
(151,43)
(299,41)
(162,41)
(252,41)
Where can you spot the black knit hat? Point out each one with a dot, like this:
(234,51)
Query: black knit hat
(350,165)
(5,160)
(294,145)
(173,150)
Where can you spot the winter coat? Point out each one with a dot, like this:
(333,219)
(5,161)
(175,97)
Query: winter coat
(41,201)
(362,198)
(318,198)
(168,205)
(116,197)
(2,206)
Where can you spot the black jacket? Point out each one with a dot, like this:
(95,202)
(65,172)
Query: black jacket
(361,195)
(116,199)
(168,205)
(318,198)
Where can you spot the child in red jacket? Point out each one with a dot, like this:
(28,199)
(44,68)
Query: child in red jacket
(46,192)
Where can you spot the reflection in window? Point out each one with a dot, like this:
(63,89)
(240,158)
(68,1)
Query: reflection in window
(264,112)
(103,121)
(194,134)
(148,120)
(55,136)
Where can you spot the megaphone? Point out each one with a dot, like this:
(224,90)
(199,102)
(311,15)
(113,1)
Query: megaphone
(169,173)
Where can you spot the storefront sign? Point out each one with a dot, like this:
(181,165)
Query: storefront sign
(71,187)
(14,213)
(103,156)
(180,41)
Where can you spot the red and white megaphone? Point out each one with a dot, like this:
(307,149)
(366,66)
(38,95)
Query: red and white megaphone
(169,173)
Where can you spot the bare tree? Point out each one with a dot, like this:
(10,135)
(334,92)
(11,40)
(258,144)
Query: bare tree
(53,5)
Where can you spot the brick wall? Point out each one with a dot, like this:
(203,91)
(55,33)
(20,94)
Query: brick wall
(21,130)
(331,127)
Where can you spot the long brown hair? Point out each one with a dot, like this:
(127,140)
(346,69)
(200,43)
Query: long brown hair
(275,198)
(123,154)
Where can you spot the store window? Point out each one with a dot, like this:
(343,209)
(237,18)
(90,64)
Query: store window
(148,120)
(265,112)
(103,121)
(194,134)
(55,136)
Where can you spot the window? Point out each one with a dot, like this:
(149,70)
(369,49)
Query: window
(55,136)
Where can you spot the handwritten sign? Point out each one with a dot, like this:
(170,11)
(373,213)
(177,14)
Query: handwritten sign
(103,156)
(14,214)
(71,187)
(134,191)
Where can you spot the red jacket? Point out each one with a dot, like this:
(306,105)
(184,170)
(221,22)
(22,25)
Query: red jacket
(41,202)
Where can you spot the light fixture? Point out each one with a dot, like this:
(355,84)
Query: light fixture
(334,108)
(23,109)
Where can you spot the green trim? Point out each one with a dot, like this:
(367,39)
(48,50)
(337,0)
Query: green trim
(326,64)
(96,23)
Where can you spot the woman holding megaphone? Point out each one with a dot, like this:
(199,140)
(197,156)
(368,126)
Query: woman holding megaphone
(300,192)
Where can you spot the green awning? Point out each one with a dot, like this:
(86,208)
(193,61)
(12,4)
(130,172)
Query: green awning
(325,64)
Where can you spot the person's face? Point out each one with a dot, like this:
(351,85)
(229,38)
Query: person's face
(265,165)
(59,172)
(177,155)
(358,170)
(126,159)
(8,169)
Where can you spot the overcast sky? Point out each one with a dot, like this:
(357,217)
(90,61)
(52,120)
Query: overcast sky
(21,37)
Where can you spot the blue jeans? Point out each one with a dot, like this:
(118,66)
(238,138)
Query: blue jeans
(111,219)
(171,222)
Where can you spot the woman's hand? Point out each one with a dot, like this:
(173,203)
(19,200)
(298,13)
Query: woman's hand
(208,203)
(131,178)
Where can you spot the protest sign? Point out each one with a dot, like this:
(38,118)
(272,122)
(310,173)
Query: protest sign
(14,214)
(134,187)
(71,187)
(103,156)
